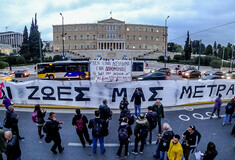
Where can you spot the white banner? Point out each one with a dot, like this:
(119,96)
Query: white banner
(110,70)
(91,94)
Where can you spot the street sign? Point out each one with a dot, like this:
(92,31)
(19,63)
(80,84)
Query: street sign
(165,58)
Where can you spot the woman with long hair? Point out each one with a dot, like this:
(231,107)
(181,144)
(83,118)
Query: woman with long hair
(40,119)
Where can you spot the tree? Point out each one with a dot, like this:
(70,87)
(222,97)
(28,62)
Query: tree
(11,60)
(209,50)
(215,63)
(24,50)
(20,60)
(57,58)
(215,49)
(187,48)
(195,46)
(170,46)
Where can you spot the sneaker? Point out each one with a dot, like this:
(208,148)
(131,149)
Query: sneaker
(223,124)
(126,155)
(20,138)
(118,156)
(135,116)
(103,152)
(61,150)
(219,117)
(90,142)
(41,136)
(54,151)
(132,151)
(141,152)
(155,156)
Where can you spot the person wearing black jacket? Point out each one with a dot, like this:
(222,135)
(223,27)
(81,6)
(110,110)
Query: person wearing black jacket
(152,119)
(229,109)
(211,152)
(105,112)
(82,131)
(40,119)
(14,121)
(124,124)
(13,151)
(125,112)
(53,127)
(138,94)
(98,126)
(158,108)
(124,102)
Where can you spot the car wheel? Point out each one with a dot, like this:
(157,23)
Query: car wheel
(168,73)
(51,77)
(82,76)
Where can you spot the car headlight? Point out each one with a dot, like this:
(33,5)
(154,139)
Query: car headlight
(228,77)
(186,74)
(140,78)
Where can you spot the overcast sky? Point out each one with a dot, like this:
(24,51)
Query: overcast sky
(185,15)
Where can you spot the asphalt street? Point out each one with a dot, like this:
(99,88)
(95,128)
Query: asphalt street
(180,118)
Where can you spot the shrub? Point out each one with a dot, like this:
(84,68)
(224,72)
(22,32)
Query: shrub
(20,60)
(196,59)
(161,58)
(3,65)
(177,57)
(57,58)
(11,60)
(215,63)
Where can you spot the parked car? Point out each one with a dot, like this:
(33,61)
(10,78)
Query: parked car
(153,76)
(192,74)
(165,70)
(21,73)
(181,71)
(5,77)
(211,77)
(214,72)
(230,76)
(10,73)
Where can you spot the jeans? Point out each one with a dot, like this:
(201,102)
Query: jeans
(101,140)
(160,154)
(137,107)
(226,116)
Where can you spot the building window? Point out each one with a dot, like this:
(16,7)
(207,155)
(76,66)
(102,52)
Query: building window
(57,29)
(140,29)
(120,28)
(111,27)
(57,47)
(69,37)
(139,46)
(134,47)
(75,28)
(127,29)
(93,37)
(140,38)
(134,28)
(81,37)
(157,39)
(163,30)
(134,37)
(163,48)
(102,36)
(69,28)
(151,38)
(94,28)
(163,39)
(127,37)
(87,28)
(87,37)
(75,46)
(69,47)
(146,38)
(128,46)
(94,46)
(146,29)
(57,38)
(146,47)
(81,28)
(151,29)
(157,30)
(81,46)
(87,46)
(75,38)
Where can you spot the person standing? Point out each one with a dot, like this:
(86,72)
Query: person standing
(218,103)
(80,121)
(105,112)
(152,119)
(13,151)
(98,127)
(124,133)
(164,138)
(125,112)
(13,119)
(6,101)
(40,114)
(229,109)
(124,102)
(53,127)
(141,132)
(158,108)
(138,94)
(175,151)
(3,143)
(211,152)
(190,140)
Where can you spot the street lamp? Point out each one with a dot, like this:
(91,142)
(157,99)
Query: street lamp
(62,34)
(165,39)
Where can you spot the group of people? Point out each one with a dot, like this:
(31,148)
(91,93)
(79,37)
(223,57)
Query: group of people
(168,143)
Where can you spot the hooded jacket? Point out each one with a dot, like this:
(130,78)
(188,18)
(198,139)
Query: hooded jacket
(124,125)
(139,124)
(13,148)
(165,140)
(175,151)
(3,142)
(218,103)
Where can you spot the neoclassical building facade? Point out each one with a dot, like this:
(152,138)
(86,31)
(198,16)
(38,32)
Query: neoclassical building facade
(109,34)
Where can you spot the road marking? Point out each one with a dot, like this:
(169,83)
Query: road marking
(182,115)
(188,108)
(105,144)
(195,115)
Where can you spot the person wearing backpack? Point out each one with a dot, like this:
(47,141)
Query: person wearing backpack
(152,119)
(98,127)
(38,118)
(191,138)
(80,121)
(52,127)
(124,102)
(124,133)
(229,109)
(158,108)
(141,132)
(125,112)
(164,141)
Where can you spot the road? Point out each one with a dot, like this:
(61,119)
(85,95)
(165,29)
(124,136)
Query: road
(178,117)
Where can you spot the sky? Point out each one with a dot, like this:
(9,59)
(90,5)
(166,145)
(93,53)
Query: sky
(184,15)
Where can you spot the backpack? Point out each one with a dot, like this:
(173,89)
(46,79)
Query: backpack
(131,119)
(153,122)
(79,124)
(229,106)
(123,134)
(7,122)
(34,116)
(44,128)
(96,130)
(143,131)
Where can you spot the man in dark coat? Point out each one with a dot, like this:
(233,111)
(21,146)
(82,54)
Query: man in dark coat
(3,143)
(125,112)
(158,108)
(152,119)
(98,127)
(105,112)
(138,94)
(13,151)
(14,121)
(81,129)
(53,127)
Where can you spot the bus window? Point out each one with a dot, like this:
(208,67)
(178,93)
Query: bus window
(138,66)
(59,68)
(72,68)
